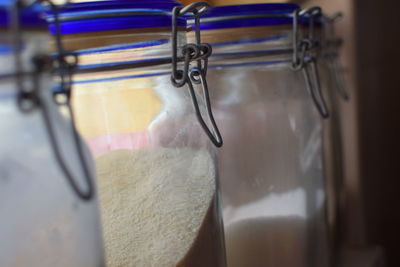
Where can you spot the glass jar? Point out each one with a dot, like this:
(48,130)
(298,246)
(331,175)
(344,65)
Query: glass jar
(157,169)
(272,183)
(44,222)
(334,88)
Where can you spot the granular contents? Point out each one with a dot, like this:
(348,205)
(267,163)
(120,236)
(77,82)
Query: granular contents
(153,203)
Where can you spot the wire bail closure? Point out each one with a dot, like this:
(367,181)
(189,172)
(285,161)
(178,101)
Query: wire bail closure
(305,59)
(30,99)
(198,52)
(332,45)
(64,70)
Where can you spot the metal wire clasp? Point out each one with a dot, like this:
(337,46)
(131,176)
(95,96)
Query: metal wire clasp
(27,99)
(305,59)
(331,45)
(30,98)
(64,70)
(198,52)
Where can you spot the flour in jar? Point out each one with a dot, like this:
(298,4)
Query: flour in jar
(154,202)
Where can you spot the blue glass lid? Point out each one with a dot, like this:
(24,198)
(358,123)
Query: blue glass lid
(250,15)
(31,16)
(122,5)
(114,15)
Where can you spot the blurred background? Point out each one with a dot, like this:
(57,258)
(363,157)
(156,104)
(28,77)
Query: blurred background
(370,209)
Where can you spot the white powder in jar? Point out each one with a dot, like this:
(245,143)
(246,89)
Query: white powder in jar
(153,203)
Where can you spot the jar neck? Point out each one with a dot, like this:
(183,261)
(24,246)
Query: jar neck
(239,43)
(121,46)
(81,41)
(143,48)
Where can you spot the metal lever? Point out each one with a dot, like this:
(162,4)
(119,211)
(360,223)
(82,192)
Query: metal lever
(214,133)
(304,59)
(30,98)
(200,53)
(66,77)
(311,76)
(332,44)
(84,195)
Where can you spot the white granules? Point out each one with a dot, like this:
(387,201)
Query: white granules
(153,203)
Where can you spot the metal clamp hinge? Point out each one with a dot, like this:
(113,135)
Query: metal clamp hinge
(30,99)
(331,45)
(198,52)
(305,58)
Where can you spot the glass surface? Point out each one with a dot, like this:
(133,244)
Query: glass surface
(272,182)
(157,170)
(333,145)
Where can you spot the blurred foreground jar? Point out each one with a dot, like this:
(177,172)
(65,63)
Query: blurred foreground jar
(156,167)
(272,182)
(45,220)
(333,85)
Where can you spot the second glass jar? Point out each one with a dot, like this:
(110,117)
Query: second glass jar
(157,169)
